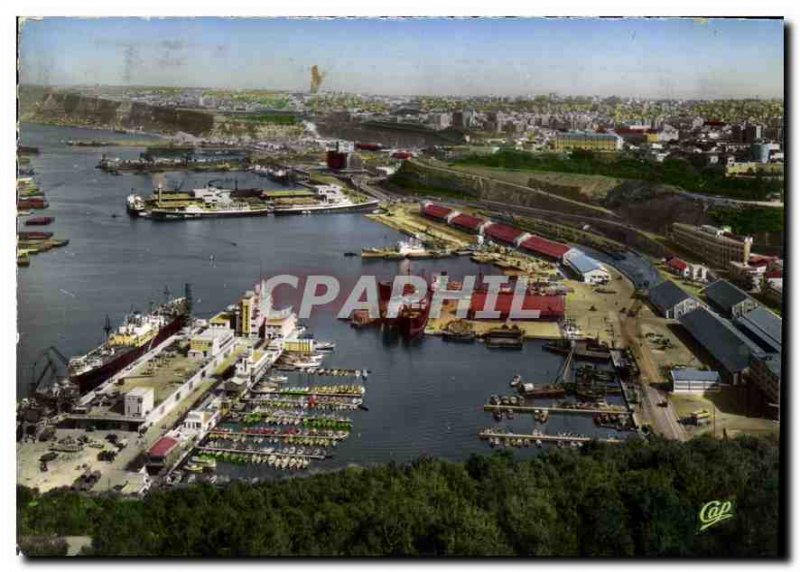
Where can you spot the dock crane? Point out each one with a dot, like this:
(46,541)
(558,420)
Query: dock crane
(57,392)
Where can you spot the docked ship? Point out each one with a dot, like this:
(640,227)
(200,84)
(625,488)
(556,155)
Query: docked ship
(410,315)
(138,334)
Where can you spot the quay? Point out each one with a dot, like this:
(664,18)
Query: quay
(207,449)
(490,434)
(313,394)
(239,435)
(566,410)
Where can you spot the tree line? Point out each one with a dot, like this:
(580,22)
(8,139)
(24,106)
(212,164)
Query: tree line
(641,498)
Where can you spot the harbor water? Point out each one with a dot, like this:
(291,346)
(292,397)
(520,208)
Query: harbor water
(424,397)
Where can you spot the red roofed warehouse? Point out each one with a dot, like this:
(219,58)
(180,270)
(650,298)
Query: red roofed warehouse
(544,247)
(468,223)
(502,233)
(545,307)
(434,211)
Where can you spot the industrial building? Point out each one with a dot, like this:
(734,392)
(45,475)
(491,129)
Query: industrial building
(469,223)
(139,401)
(765,373)
(728,300)
(587,140)
(729,347)
(717,246)
(588,269)
(543,247)
(763,327)
(671,301)
(435,212)
(502,233)
(693,380)
(542,307)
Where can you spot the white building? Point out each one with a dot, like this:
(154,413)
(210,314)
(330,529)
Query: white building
(588,269)
(210,343)
(139,401)
(693,380)
(280,324)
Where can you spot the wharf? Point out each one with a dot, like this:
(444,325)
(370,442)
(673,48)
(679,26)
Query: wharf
(276,453)
(489,434)
(276,402)
(326,372)
(283,393)
(566,410)
(240,434)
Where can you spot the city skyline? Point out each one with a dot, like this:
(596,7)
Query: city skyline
(640,58)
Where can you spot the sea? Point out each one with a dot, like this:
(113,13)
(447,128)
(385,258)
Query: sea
(424,397)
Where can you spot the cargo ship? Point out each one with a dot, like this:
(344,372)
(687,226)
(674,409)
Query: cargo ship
(138,334)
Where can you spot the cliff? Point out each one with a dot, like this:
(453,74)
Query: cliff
(45,105)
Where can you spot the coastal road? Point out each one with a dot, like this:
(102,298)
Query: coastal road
(664,419)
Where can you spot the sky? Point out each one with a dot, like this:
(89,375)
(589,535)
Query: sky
(650,58)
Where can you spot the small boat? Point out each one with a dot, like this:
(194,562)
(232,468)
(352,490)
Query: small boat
(277,378)
(349,253)
(39,221)
(325,346)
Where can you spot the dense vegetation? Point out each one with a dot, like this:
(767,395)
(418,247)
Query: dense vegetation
(672,171)
(641,498)
(750,220)
(269,118)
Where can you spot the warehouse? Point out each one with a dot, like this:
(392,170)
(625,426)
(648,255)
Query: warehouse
(588,269)
(763,327)
(728,300)
(671,301)
(502,233)
(693,380)
(542,307)
(730,348)
(543,247)
(469,223)
(435,212)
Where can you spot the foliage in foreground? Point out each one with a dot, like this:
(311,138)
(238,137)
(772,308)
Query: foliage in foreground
(636,499)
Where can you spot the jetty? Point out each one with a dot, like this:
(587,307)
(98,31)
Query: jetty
(245,452)
(492,434)
(566,410)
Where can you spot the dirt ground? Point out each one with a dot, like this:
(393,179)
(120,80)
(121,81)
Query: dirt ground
(406,219)
(729,414)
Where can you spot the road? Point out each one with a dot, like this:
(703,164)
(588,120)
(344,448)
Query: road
(664,420)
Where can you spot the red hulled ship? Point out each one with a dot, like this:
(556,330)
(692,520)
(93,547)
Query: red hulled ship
(137,335)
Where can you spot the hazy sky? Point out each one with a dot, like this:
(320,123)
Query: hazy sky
(634,57)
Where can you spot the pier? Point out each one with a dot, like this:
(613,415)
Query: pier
(490,434)
(207,449)
(566,410)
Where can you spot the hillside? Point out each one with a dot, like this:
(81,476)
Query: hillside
(62,108)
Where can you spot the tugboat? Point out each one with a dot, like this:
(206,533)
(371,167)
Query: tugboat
(135,205)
